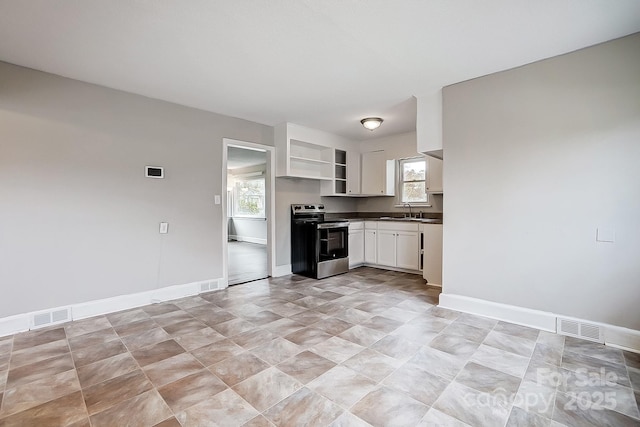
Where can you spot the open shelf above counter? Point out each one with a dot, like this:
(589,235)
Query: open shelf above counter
(297,158)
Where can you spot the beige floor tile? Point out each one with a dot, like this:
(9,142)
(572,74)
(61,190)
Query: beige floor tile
(304,408)
(37,371)
(337,349)
(306,366)
(238,368)
(92,339)
(39,353)
(362,335)
(388,407)
(226,408)
(185,327)
(39,392)
(372,364)
(95,353)
(145,409)
(64,411)
(191,390)
(172,369)
(106,369)
(82,327)
(197,339)
(134,328)
(37,337)
(217,352)
(108,393)
(145,338)
(267,388)
(342,386)
(157,352)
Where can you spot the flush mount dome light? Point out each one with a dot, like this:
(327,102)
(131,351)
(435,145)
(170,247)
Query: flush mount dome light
(371,123)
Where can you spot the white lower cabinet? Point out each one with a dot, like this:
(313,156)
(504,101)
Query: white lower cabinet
(399,245)
(408,250)
(432,268)
(385,243)
(370,242)
(387,248)
(356,244)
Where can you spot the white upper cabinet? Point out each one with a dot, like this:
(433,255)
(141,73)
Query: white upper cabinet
(434,175)
(300,157)
(377,174)
(346,175)
(353,173)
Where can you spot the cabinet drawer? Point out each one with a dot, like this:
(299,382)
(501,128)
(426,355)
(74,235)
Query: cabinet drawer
(359,225)
(371,225)
(398,226)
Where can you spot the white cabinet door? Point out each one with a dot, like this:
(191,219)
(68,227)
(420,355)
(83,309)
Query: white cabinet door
(387,248)
(377,174)
(370,245)
(372,178)
(356,247)
(434,175)
(408,250)
(353,173)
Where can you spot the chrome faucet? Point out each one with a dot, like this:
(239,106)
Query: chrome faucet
(407,204)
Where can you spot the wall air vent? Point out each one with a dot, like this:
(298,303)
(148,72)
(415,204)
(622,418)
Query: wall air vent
(211,285)
(578,329)
(48,318)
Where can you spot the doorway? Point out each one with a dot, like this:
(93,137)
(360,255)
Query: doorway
(248,210)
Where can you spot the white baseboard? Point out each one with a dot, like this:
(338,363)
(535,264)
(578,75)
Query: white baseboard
(509,313)
(281,270)
(23,322)
(614,336)
(14,324)
(248,239)
(623,338)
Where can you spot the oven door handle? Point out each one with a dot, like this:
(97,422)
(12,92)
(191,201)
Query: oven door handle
(333,225)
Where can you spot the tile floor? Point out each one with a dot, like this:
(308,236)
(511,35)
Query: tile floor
(365,348)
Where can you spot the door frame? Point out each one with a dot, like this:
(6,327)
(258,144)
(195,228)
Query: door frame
(270,206)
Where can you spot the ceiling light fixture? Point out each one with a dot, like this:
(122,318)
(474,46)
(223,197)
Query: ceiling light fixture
(371,123)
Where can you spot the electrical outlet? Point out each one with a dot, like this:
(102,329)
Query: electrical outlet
(164,227)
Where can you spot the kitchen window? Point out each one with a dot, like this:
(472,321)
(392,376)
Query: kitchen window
(412,176)
(248,198)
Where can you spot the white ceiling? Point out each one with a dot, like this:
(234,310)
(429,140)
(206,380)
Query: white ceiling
(238,157)
(323,64)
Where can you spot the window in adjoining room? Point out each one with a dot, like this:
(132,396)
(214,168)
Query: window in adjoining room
(249,196)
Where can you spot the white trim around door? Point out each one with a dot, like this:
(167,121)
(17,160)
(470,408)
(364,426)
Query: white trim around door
(270,203)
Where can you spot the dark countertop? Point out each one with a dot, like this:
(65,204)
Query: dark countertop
(428,218)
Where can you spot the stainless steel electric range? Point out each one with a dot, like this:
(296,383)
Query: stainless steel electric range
(319,247)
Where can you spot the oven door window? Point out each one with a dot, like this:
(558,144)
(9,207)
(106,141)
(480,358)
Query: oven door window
(333,243)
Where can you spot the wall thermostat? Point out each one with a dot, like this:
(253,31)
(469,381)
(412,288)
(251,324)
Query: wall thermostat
(154,172)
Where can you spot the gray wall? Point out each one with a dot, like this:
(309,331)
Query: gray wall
(78,219)
(537,158)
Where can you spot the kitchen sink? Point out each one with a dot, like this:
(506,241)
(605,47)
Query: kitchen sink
(390,218)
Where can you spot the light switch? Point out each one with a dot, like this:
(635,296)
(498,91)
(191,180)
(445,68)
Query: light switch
(605,235)
(216,199)
(164,227)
